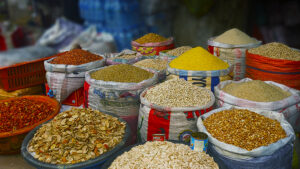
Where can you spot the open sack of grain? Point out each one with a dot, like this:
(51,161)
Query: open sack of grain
(116,89)
(199,67)
(66,72)
(232,46)
(266,95)
(151,44)
(126,56)
(265,139)
(172,108)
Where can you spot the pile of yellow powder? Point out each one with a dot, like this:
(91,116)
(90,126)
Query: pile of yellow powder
(198,59)
(235,37)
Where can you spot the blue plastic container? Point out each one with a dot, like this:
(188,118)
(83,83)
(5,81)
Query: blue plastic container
(92,10)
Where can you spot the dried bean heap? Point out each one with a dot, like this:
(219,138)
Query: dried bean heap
(150,38)
(126,56)
(163,154)
(75,57)
(276,51)
(178,93)
(156,64)
(75,136)
(122,73)
(179,51)
(244,128)
(235,37)
(256,90)
(22,112)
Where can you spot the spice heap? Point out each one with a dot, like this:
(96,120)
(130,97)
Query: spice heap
(126,56)
(256,90)
(22,112)
(178,93)
(235,37)
(244,128)
(198,59)
(276,51)
(179,51)
(156,64)
(122,73)
(151,38)
(75,57)
(163,154)
(75,136)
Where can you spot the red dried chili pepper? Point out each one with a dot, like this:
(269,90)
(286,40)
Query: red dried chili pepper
(19,113)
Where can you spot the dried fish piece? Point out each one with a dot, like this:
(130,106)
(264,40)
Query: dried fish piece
(76,135)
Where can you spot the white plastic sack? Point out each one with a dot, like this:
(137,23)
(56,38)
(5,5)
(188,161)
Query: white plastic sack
(63,84)
(234,54)
(115,97)
(237,152)
(72,68)
(176,123)
(90,40)
(289,107)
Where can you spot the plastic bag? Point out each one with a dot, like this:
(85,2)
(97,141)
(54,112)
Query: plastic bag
(240,153)
(60,34)
(63,84)
(235,54)
(25,54)
(115,97)
(175,123)
(113,60)
(208,79)
(90,40)
(289,107)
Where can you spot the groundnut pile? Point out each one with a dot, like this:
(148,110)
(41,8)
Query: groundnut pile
(163,154)
(178,93)
(75,136)
(179,51)
(244,128)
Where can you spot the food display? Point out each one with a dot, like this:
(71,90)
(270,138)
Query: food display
(126,56)
(22,112)
(122,73)
(156,64)
(75,136)
(256,90)
(179,51)
(276,51)
(150,38)
(163,154)
(75,57)
(234,37)
(256,131)
(178,93)
(198,59)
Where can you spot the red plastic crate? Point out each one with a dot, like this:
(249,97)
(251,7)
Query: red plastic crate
(23,75)
(75,99)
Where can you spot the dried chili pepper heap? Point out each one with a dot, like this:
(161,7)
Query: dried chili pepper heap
(19,113)
(75,57)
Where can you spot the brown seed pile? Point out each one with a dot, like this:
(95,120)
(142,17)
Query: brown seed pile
(156,64)
(178,93)
(256,90)
(276,51)
(179,51)
(122,73)
(244,128)
(75,136)
(150,38)
(75,57)
(235,37)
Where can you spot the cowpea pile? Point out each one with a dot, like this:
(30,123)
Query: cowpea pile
(178,93)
